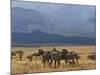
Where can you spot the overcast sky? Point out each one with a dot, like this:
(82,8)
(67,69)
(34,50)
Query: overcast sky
(43,7)
(72,15)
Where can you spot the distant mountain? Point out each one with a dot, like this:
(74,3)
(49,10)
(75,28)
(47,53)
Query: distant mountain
(63,22)
(80,19)
(25,20)
(42,37)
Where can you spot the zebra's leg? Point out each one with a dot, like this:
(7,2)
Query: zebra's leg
(55,64)
(48,61)
(51,61)
(73,60)
(58,63)
(43,61)
(66,60)
(77,62)
(69,61)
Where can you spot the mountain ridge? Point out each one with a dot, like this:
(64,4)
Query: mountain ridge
(42,37)
(26,20)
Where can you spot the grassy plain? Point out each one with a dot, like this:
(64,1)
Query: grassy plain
(24,66)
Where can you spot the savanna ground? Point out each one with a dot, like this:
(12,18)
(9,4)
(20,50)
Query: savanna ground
(24,66)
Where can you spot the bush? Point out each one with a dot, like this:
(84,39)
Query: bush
(91,57)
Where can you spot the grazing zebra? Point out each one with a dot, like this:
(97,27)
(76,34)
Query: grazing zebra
(69,56)
(35,54)
(74,57)
(64,55)
(49,56)
(55,56)
(31,56)
(45,56)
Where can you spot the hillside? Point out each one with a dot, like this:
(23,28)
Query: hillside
(42,37)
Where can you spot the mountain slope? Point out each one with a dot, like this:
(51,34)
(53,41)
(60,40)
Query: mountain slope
(42,37)
(78,19)
(24,20)
(63,22)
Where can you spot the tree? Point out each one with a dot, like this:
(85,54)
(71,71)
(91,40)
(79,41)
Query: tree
(20,53)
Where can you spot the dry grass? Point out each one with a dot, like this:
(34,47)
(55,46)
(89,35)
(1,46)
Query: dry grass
(24,66)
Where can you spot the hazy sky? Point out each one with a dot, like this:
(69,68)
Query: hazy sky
(74,16)
(42,7)
(38,6)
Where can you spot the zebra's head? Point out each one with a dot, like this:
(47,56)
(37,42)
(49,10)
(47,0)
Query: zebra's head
(40,52)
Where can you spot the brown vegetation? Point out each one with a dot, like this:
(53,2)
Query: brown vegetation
(25,66)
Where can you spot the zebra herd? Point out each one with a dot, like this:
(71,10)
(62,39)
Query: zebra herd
(48,57)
